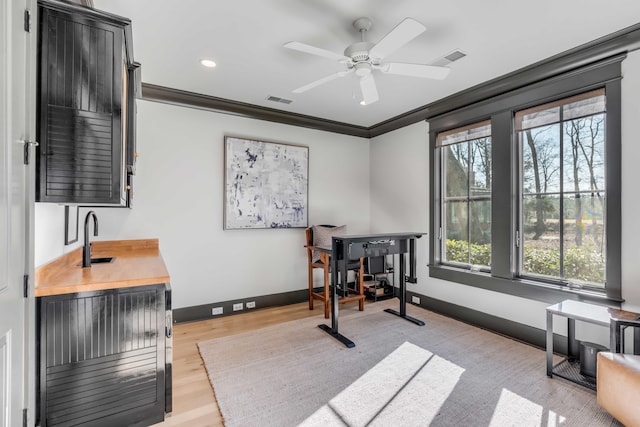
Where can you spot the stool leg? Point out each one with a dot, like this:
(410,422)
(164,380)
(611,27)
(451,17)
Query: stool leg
(310,287)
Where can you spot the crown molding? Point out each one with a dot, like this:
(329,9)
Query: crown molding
(151,92)
(615,44)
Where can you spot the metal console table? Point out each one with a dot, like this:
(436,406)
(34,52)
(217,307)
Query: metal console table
(611,318)
(345,248)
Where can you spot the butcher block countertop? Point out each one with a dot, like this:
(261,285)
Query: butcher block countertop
(136,263)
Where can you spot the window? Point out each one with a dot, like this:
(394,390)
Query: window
(525,188)
(563,190)
(466,195)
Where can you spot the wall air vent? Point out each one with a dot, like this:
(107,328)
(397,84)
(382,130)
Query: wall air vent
(280,100)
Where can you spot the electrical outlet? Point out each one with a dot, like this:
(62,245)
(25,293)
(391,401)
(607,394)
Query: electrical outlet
(238,306)
(415,299)
(251,304)
(216,310)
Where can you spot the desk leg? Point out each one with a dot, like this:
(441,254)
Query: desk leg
(614,336)
(636,340)
(572,344)
(333,329)
(403,298)
(549,344)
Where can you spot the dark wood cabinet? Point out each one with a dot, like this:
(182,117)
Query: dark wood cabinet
(105,357)
(86,116)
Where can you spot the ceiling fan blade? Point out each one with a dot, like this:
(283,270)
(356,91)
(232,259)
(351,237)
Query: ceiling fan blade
(369,89)
(416,70)
(322,81)
(404,32)
(301,47)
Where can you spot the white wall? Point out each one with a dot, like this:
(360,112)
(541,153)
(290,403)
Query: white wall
(400,180)
(49,233)
(399,200)
(179,199)
(630,179)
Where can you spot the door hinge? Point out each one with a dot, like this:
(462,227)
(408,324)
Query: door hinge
(27,21)
(27,145)
(26,285)
(517,239)
(440,233)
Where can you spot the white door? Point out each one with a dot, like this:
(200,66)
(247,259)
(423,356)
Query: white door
(17,99)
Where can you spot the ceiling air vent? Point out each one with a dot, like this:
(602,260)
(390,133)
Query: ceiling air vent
(449,58)
(455,55)
(280,100)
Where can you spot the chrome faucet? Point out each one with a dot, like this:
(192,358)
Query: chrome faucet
(86,251)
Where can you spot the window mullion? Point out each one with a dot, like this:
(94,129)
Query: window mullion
(502,215)
(561,201)
(443,183)
(469,171)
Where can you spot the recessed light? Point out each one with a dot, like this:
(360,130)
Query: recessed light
(363,103)
(208,63)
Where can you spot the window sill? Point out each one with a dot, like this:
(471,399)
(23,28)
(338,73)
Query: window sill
(529,289)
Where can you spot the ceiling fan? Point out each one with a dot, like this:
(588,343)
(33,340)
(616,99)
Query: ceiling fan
(363,57)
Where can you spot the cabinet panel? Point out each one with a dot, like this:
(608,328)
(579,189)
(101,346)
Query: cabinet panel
(102,357)
(79,155)
(79,57)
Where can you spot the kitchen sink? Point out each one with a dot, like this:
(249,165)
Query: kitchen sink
(104,260)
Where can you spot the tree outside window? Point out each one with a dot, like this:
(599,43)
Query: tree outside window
(562,147)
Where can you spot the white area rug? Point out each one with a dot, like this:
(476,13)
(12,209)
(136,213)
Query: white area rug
(445,373)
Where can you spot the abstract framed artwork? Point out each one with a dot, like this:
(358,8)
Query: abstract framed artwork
(265,184)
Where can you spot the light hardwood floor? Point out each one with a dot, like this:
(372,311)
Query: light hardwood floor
(194,403)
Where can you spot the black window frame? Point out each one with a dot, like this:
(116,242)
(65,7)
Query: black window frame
(561,192)
(500,109)
(468,198)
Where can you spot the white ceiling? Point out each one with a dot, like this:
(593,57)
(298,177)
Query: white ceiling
(245,39)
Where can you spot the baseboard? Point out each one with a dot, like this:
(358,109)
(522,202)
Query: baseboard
(203,312)
(518,331)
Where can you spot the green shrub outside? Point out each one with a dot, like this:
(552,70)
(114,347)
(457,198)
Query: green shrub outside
(582,263)
(457,251)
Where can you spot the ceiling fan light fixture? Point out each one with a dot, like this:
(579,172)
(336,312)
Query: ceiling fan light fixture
(363,69)
(209,63)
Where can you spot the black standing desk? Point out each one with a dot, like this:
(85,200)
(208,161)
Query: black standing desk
(349,247)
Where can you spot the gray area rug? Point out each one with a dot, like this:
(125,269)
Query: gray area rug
(446,373)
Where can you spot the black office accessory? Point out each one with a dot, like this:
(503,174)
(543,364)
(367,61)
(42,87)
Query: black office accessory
(374,265)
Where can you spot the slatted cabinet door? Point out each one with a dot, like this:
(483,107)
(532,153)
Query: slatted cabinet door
(102,357)
(82,75)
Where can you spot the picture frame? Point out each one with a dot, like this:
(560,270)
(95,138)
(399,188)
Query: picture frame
(71,215)
(265,184)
